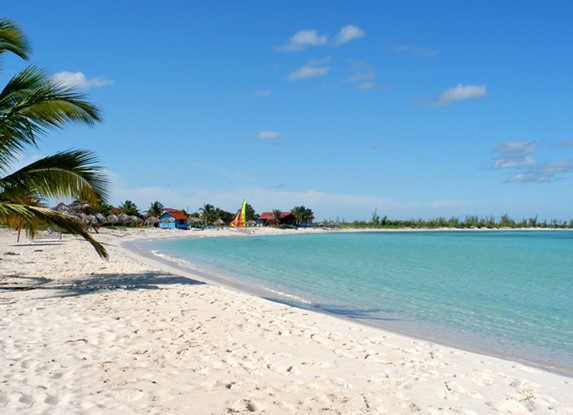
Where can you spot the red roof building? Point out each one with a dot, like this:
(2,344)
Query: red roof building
(268,218)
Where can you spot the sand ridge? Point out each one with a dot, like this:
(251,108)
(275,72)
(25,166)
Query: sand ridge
(82,335)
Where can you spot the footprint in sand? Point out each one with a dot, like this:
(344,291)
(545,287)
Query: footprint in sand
(317,364)
(508,406)
(249,405)
(51,400)
(27,400)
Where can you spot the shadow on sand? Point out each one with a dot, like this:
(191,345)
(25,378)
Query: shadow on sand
(95,283)
(374,314)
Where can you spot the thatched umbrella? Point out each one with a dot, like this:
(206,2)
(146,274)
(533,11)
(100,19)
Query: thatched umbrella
(251,222)
(136,220)
(195,221)
(150,221)
(62,208)
(79,207)
(123,218)
(219,222)
(100,218)
(112,220)
(89,219)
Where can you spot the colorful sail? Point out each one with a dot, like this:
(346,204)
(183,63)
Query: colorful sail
(240,220)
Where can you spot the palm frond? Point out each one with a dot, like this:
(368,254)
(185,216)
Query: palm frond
(12,39)
(31,104)
(29,218)
(65,174)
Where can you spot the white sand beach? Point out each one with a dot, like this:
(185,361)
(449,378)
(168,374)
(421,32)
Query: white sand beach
(82,335)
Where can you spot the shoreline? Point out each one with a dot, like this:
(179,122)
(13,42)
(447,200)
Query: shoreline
(127,336)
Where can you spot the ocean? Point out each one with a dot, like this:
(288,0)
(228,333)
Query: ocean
(503,293)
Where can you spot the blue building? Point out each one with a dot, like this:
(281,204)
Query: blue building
(174,220)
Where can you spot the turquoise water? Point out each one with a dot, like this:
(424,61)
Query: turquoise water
(504,293)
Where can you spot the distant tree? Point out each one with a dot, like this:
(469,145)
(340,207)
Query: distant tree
(251,214)
(207,213)
(155,209)
(302,214)
(298,212)
(106,209)
(224,215)
(375,218)
(308,216)
(129,208)
(277,216)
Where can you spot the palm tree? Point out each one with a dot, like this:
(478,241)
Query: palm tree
(250,212)
(308,216)
(30,104)
(156,209)
(277,216)
(207,212)
(302,214)
(298,212)
(129,208)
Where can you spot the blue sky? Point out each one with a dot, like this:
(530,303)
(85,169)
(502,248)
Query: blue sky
(415,108)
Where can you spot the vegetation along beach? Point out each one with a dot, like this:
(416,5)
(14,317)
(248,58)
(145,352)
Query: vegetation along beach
(304,208)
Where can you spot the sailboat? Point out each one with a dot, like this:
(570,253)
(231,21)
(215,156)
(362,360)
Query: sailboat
(240,220)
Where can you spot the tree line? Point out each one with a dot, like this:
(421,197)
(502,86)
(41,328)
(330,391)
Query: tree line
(468,222)
(208,213)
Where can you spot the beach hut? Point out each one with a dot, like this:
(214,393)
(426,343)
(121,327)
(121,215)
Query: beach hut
(174,220)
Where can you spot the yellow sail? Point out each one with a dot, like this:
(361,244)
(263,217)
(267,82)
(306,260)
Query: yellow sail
(240,220)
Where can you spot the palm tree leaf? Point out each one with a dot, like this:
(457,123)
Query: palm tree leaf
(31,103)
(65,174)
(12,39)
(31,216)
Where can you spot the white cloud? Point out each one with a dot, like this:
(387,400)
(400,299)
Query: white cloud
(563,166)
(517,147)
(529,177)
(303,39)
(516,155)
(461,92)
(362,81)
(312,69)
(514,162)
(79,80)
(268,135)
(348,33)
